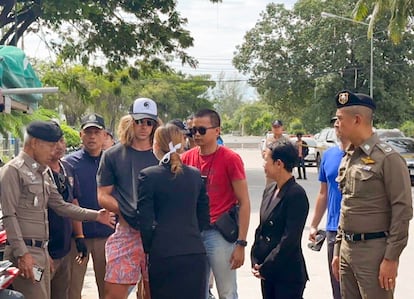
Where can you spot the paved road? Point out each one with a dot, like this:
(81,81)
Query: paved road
(318,286)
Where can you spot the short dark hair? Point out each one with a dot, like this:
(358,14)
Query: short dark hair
(286,152)
(214,116)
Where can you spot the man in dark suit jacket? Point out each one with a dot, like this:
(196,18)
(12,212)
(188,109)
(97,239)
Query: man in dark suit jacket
(276,254)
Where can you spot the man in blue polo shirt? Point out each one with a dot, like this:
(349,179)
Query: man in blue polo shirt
(85,164)
(329,198)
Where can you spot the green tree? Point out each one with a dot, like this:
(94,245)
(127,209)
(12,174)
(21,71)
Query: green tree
(228,95)
(298,61)
(251,119)
(117,29)
(83,90)
(398,12)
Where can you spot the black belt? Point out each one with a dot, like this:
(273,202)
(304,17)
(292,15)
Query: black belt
(33,243)
(363,236)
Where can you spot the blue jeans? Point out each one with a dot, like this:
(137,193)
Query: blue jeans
(219,252)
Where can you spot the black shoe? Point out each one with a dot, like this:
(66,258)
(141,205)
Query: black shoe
(299,177)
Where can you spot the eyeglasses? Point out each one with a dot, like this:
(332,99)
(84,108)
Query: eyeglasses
(147,122)
(201,130)
(61,183)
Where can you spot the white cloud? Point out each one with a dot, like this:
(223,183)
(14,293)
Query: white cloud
(217,30)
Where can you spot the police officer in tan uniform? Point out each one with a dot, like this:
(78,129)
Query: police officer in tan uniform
(26,191)
(277,130)
(376,205)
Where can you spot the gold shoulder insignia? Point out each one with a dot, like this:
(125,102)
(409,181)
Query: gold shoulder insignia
(367,160)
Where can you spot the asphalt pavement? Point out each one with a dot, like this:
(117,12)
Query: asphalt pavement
(319,286)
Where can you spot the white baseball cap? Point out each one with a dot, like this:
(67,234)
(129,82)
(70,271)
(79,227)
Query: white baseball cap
(143,108)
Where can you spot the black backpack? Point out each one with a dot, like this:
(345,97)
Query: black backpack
(305,149)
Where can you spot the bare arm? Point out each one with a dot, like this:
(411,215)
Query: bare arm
(77,225)
(106,200)
(320,208)
(242,194)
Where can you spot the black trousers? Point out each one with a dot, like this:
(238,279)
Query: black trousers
(178,277)
(282,290)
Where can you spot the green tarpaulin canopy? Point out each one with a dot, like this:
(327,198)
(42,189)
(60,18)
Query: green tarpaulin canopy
(17,72)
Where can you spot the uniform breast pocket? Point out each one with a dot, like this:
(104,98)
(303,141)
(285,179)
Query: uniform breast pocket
(363,182)
(35,196)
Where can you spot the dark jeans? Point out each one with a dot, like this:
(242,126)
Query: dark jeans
(330,238)
(301,165)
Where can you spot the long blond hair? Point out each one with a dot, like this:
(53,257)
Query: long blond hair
(126,132)
(163,136)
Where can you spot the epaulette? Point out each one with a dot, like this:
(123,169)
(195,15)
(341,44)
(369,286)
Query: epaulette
(385,148)
(17,162)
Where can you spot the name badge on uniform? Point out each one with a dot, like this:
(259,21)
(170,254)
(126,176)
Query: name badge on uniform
(366,167)
(36,201)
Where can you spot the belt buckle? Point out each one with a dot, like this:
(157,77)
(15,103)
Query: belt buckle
(45,243)
(349,237)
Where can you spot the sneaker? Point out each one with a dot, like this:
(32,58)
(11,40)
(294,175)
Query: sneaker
(210,295)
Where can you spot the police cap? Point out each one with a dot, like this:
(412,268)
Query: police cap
(346,98)
(45,130)
(277,123)
(92,120)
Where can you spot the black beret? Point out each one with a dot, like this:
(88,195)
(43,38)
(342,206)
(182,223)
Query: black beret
(45,130)
(346,98)
(93,120)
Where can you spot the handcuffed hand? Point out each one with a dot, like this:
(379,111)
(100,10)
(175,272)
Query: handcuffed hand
(82,250)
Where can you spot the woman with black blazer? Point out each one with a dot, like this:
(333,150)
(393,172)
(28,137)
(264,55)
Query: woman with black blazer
(276,254)
(173,208)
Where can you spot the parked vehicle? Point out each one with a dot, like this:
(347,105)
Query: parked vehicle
(325,139)
(405,146)
(388,133)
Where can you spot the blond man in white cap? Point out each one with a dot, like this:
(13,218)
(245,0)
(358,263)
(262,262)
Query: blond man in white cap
(117,191)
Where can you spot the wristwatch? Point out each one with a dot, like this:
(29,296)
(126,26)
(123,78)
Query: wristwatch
(242,243)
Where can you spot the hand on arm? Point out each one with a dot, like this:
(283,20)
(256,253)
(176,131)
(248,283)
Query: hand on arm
(242,194)
(106,217)
(321,203)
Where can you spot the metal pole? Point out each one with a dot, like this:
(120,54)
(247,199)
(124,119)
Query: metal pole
(371,68)
(371,71)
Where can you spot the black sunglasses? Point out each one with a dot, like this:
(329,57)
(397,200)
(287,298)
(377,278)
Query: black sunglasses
(201,130)
(148,122)
(61,183)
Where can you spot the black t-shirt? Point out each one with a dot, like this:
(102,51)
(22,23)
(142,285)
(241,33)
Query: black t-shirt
(60,228)
(120,166)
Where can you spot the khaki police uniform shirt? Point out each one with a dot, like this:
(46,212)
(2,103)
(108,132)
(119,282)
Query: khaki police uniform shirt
(26,191)
(376,194)
(269,141)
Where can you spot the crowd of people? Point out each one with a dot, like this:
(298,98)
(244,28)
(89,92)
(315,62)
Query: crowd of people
(167,208)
